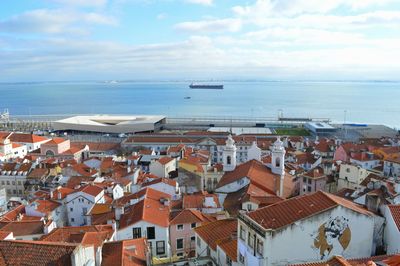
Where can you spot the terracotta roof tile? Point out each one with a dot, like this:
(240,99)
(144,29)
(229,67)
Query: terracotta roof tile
(99,146)
(161,139)
(165,160)
(167,181)
(38,173)
(61,193)
(395,212)
(315,173)
(189,217)
(46,206)
(260,176)
(4,234)
(233,201)
(196,201)
(126,252)
(75,234)
(100,208)
(149,210)
(13,214)
(76,181)
(27,218)
(23,228)
(27,138)
(91,190)
(55,141)
(35,253)
(216,231)
(289,211)
(144,193)
(229,246)
(340,261)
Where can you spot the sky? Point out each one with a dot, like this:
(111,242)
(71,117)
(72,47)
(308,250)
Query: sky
(50,40)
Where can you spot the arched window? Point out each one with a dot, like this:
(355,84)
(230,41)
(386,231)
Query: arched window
(49,153)
(228,160)
(278,162)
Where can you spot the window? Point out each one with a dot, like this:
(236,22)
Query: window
(348,170)
(278,162)
(250,240)
(198,242)
(72,220)
(242,233)
(304,179)
(13,183)
(8,182)
(193,225)
(19,183)
(14,191)
(3,183)
(228,160)
(151,232)
(179,243)
(8,191)
(179,227)
(309,181)
(179,254)
(241,258)
(193,238)
(71,209)
(228,261)
(160,247)
(260,247)
(136,232)
(20,192)
(249,207)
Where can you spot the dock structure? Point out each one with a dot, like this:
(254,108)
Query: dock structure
(29,123)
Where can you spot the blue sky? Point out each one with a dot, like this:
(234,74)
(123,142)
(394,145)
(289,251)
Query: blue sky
(199,39)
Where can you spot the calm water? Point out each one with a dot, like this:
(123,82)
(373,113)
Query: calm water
(366,102)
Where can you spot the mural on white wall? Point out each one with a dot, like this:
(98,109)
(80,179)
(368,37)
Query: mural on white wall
(332,237)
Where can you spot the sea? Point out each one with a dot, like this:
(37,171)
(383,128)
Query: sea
(351,102)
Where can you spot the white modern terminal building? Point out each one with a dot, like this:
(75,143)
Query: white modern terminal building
(114,124)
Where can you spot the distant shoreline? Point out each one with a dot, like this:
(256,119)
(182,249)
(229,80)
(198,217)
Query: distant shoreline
(116,82)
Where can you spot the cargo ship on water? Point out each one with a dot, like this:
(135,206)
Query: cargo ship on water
(206,86)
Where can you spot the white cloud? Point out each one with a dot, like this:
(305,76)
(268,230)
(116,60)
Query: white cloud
(263,8)
(267,38)
(53,21)
(201,2)
(204,26)
(306,37)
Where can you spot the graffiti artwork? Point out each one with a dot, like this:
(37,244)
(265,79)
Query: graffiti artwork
(333,237)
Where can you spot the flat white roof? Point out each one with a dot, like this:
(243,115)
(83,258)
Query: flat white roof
(109,123)
(107,120)
(241,130)
(319,125)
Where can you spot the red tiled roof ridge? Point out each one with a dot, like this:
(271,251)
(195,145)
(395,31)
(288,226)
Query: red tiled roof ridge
(98,228)
(195,213)
(46,243)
